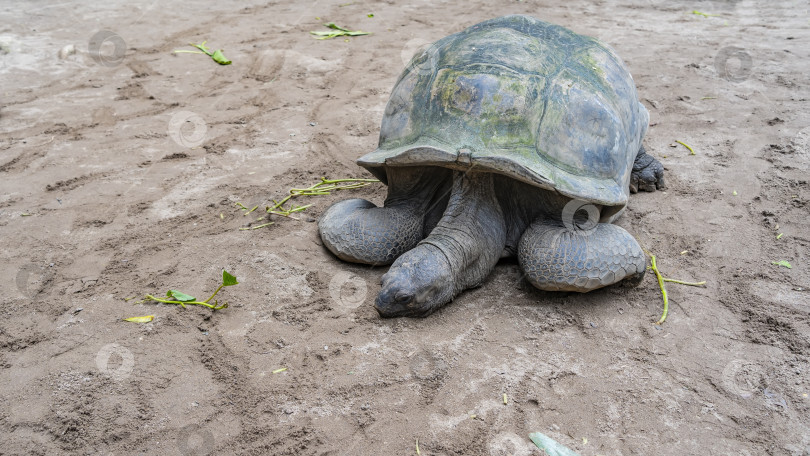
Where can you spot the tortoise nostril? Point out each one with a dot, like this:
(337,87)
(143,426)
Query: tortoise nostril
(403,298)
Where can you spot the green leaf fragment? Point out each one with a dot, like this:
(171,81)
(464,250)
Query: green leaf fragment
(779,236)
(217,55)
(370,14)
(220,58)
(551,446)
(228,279)
(339,31)
(332,25)
(782,263)
(180,296)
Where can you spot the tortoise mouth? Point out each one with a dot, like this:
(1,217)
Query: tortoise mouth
(394,312)
(400,299)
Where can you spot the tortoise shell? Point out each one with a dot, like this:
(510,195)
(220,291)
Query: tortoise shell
(520,97)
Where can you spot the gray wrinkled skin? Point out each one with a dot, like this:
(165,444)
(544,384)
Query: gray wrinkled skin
(459,253)
(555,258)
(512,138)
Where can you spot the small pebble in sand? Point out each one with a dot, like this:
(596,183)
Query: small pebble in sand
(67,51)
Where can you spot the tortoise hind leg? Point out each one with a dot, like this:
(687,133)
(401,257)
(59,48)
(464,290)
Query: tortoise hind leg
(358,231)
(647,174)
(556,258)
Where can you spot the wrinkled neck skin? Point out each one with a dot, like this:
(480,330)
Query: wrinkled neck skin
(522,204)
(414,187)
(459,253)
(422,191)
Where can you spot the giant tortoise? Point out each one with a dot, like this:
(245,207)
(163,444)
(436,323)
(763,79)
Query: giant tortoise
(514,137)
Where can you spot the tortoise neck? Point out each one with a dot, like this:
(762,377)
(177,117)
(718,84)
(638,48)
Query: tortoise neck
(472,233)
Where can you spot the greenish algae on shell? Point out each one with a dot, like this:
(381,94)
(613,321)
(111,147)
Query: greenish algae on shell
(521,97)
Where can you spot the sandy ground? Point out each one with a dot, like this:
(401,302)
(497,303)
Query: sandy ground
(120,167)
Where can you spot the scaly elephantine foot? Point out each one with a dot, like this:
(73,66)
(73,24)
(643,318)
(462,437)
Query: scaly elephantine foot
(565,258)
(356,230)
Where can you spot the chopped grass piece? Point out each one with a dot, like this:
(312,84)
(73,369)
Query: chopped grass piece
(661,280)
(693,284)
(324,187)
(144,319)
(251,210)
(278,371)
(782,263)
(687,146)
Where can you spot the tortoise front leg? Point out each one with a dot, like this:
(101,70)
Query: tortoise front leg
(556,258)
(358,231)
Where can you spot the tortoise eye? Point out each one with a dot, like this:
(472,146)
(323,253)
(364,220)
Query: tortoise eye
(403,298)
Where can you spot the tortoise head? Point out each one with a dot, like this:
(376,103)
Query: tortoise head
(419,282)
